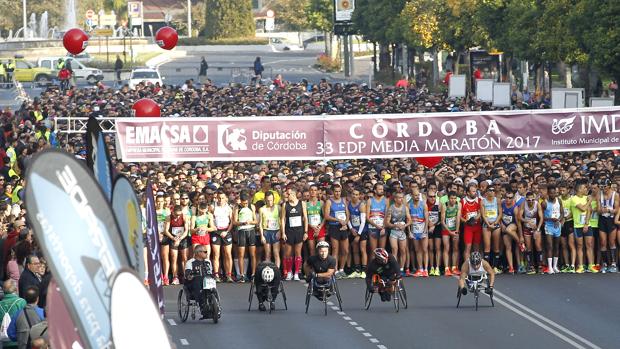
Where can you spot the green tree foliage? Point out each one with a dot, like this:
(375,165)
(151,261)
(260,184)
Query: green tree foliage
(291,13)
(320,15)
(229,19)
(379,20)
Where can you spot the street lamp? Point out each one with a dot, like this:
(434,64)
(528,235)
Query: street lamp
(189,18)
(24,18)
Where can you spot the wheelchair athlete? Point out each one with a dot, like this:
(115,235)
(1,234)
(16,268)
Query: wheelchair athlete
(476,268)
(382,273)
(267,277)
(195,270)
(320,268)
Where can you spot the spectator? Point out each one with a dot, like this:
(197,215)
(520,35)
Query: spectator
(30,276)
(204,66)
(13,268)
(258,70)
(30,315)
(118,66)
(11,304)
(446,80)
(40,342)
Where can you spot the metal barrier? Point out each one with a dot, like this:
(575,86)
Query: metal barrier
(70,126)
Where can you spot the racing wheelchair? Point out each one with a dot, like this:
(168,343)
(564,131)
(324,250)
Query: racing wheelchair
(212,308)
(475,284)
(323,292)
(399,295)
(269,275)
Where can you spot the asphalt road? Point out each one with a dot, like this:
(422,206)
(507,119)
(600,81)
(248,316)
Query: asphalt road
(560,311)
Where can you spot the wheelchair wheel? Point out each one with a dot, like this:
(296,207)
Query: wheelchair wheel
(402,294)
(183,305)
(308,295)
(458,297)
(215,308)
(338,294)
(251,296)
(492,303)
(325,299)
(368,299)
(476,295)
(396,301)
(283,295)
(269,299)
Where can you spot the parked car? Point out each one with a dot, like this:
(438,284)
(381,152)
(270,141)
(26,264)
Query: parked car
(280,44)
(83,57)
(146,75)
(28,72)
(80,71)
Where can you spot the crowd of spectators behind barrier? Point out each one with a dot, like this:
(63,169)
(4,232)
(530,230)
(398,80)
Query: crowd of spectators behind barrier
(30,129)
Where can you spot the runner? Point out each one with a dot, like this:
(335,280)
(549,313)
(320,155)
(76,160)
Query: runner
(470,215)
(201,226)
(337,217)
(163,226)
(295,231)
(187,216)
(244,219)
(608,206)
(269,228)
(419,231)
(532,220)
(567,238)
(359,234)
(222,237)
(376,207)
(397,219)
(451,222)
(434,229)
(177,239)
(491,212)
(316,223)
(554,220)
(510,230)
(580,206)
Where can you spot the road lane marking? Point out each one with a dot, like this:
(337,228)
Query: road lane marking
(184,341)
(171,322)
(539,319)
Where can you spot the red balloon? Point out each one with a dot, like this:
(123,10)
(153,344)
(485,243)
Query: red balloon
(166,38)
(75,40)
(146,108)
(430,161)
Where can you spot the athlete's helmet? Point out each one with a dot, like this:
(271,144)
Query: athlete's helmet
(475,258)
(381,255)
(267,274)
(322,244)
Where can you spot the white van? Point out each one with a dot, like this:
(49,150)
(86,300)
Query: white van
(80,71)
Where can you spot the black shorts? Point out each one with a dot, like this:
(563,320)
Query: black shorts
(259,243)
(606,224)
(436,233)
(217,239)
(567,229)
(337,234)
(244,238)
(183,244)
(294,237)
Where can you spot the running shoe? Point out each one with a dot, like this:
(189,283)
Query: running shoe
(565,269)
(146,282)
(424,273)
(166,281)
(530,270)
(556,270)
(579,270)
(497,270)
(604,269)
(241,280)
(289,276)
(418,273)
(542,270)
(402,273)
(175,281)
(354,275)
(229,279)
(521,269)
(272,306)
(447,272)
(597,267)
(592,269)
(261,307)
(296,277)
(363,275)
(456,271)
(571,269)
(613,269)
(217,278)
(549,271)
(511,270)
(408,273)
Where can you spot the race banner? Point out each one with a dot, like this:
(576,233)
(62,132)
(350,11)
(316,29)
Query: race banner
(129,216)
(369,136)
(79,236)
(156,283)
(98,157)
(62,331)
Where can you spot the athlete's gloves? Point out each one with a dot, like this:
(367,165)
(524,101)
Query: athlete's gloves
(464,291)
(489,290)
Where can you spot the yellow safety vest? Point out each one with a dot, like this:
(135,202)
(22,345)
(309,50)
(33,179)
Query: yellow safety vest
(38,116)
(15,196)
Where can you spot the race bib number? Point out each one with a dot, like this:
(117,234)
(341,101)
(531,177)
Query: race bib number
(208,283)
(566,212)
(507,219)
(433,217)
(341,215)
(356,221)
(160,227)
(530,223)
(294,222)
(201,231)
(377,220)
(555,213)
(176,230)
(582,218)
(491,213)
(315,220)
(418,227)
(272,224)
(594,216)
(471,215)
(451,222)
(222,222)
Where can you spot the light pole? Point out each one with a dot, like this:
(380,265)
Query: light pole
(189,18)
(24,18)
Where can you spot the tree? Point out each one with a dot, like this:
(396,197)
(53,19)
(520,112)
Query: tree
(320,16)
(229,19)
(291,13)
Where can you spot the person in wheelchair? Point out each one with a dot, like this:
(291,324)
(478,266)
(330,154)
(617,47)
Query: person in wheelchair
(267,277)
(320,268)
(382,273)
(475,269)
(195,270)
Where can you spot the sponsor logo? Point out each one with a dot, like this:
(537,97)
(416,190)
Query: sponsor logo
(230,140)
(201,134)
(561,126)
